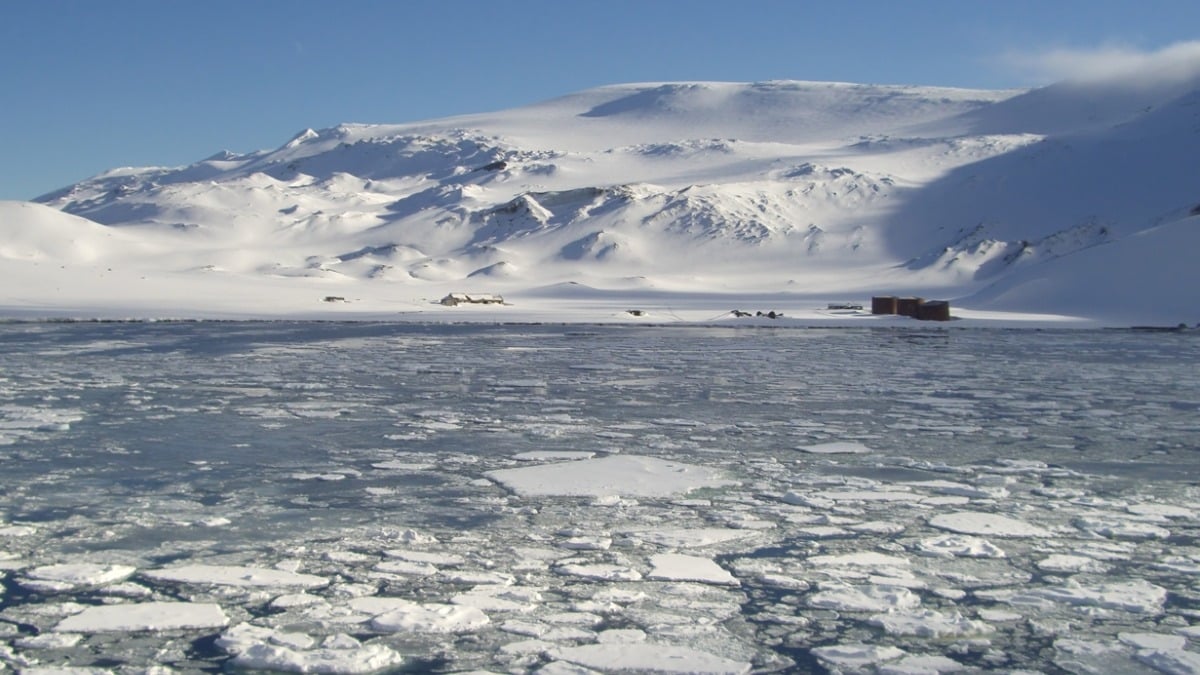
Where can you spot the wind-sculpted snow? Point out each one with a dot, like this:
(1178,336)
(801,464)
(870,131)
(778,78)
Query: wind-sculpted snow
(359,497)
(697,188)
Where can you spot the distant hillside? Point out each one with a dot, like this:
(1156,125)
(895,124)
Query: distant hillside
(770,187)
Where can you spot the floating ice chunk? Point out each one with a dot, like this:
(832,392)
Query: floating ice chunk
(999,615)
(49,641)
(929,623)
(295,600)
(399,465)
(415,537)
(679,567)
(923,664)
(599,572)
(230,575)
(428,557)
(973,522)
(376,605)
(257,648)
(1172,661)
(1137,596)
(476,577)
(649,658)
(148,616)
(431,618)
(823,532)
(846,598)
(500,598)
(1070,564)
(406,568)
(620,636)
(836,448)
(1163,510)
(623,475)
(585,543)
(81,574)
(880,527)
(1114,527)
(811,501)
(945,487)
(692,538)
(955,545)
(891,495)
(552,455)
(860,559)
(857,656)
(1153,640)
(7,530)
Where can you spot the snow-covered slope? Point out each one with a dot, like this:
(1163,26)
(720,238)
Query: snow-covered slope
(724,190)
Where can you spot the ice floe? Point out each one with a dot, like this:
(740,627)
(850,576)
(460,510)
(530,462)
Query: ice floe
(991,524)
(147,616)
(621,475)
(679,567)
(259,648)
(650,658)
(233,575)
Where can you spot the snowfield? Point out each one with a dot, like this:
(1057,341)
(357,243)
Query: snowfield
(1073,204)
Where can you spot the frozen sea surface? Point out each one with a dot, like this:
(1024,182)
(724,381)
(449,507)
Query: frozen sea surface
(318,497)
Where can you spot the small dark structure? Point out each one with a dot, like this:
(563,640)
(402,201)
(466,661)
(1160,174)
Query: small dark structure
(844,306)
(934,310)
(883,304)
(917,308)
(909,306)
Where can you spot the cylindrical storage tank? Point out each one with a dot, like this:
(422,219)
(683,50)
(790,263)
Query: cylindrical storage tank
(909,306)
(934,310)
(883,304)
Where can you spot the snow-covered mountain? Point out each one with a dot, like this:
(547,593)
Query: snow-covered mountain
(1074,199)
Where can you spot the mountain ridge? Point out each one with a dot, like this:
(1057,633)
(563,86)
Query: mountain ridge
(698,186)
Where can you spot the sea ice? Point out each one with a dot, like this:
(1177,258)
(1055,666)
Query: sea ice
(864,598)
(956,545)
(859,559)
(836,448)
(649,658)
(148,616)
(679,567)
(230,575)
(599,572)
(258,648)
(552,455)
(1137,595)
(623,475)
(691,537)
(431,618)
(926,664)
(929,623)
(973,522)
(81,574)
(857,656)
(1064,563)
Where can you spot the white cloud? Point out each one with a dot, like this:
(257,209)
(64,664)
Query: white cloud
(1106,64)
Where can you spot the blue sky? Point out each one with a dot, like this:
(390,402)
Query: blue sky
(88,86)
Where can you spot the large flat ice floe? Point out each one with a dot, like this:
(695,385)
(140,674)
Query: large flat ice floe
(146,616)
(616,475)
(234,575)
(644,657)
